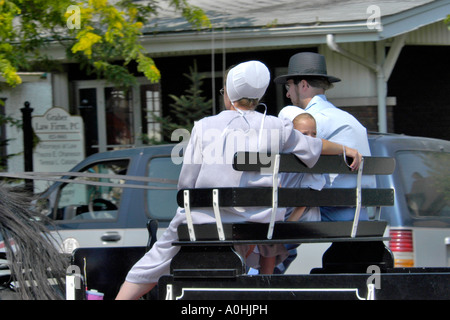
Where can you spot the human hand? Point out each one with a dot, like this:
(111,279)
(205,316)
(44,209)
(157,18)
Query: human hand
(355,155)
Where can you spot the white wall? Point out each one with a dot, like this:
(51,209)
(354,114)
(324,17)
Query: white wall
(39,94)
(357,81)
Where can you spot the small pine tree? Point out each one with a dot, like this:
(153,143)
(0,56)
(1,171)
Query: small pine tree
(187,108)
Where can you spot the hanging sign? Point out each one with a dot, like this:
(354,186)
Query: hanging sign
(61,141)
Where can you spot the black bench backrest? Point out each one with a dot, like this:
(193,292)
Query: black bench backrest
(288,197)
(276,196)
(252,161)
(295,197)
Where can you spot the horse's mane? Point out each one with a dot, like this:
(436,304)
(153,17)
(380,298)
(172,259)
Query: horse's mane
(30,248)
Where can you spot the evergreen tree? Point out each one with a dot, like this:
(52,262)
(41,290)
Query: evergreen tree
(187,108)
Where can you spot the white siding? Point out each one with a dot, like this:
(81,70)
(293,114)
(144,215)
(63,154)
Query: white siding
(39,94)
(356,79)
(433,34)
(359,81)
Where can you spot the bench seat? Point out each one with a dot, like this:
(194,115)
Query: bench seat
(284,232)
(206,250)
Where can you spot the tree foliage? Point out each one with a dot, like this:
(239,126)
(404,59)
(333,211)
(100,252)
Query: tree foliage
(104,36)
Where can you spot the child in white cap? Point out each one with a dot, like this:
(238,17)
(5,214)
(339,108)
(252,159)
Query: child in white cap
(306,124)
(208,164)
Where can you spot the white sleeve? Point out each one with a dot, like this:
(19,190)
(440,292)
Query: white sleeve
(192,160)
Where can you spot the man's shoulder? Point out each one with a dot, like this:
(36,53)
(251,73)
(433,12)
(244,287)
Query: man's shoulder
(327,108)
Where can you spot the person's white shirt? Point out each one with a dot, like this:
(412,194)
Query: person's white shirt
(338,126)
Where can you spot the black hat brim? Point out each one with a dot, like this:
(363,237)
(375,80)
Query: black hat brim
(283,79)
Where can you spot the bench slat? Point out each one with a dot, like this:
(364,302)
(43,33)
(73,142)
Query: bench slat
(252,161)
(287,197)
(285,231)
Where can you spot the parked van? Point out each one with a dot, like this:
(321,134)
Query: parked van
(110,209)
(419,221)
(113,210)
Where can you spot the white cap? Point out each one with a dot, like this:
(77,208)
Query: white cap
(247,80)
(290,112)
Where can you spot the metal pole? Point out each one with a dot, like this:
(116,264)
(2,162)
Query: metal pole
(27,142)
(381,88)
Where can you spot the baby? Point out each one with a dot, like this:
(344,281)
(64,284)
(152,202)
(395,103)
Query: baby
(306,124)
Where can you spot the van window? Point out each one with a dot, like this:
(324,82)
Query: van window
(98,199)
(162,200)
(425,178)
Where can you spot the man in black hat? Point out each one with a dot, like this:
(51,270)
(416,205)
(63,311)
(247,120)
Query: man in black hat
(306,83)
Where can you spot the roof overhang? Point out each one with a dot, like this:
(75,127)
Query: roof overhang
(414,18)
(179,39)
(29,76)
(266,38)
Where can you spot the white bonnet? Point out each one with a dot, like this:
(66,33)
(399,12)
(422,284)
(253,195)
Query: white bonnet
(247,80)
(290,112)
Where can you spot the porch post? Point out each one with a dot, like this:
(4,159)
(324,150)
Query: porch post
(27,143)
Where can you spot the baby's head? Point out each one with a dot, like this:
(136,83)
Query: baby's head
(306,124)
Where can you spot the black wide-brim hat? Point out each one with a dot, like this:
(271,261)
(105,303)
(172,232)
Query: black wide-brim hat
(306,64)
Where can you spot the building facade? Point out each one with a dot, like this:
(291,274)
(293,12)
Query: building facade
(391,57)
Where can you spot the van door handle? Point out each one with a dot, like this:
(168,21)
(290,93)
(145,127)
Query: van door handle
(111,237)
